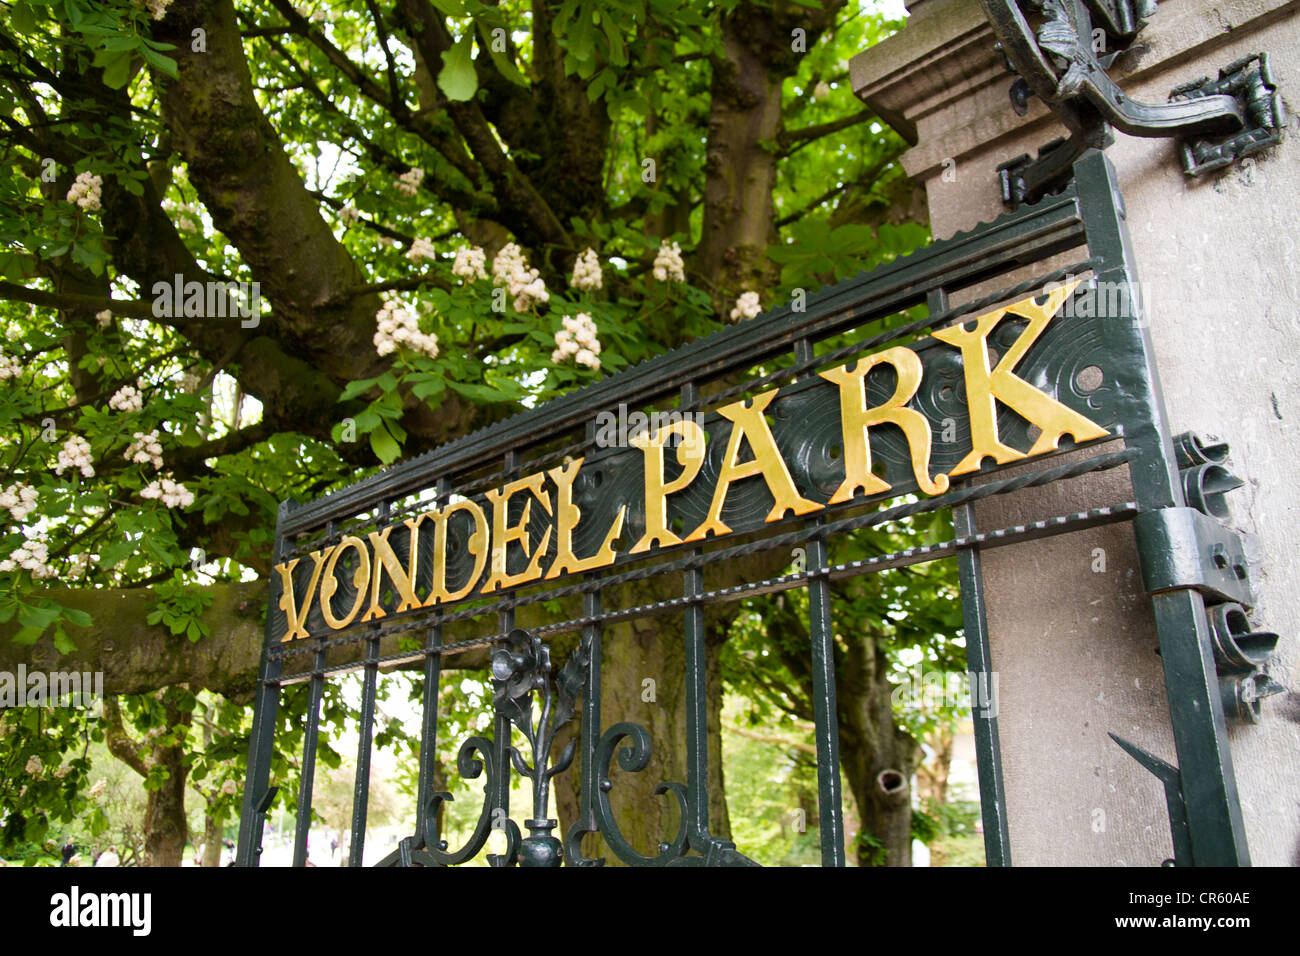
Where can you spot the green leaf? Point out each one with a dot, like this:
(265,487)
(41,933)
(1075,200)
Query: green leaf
(384,446)
(353,389)
(457,79)
(117,69)
(500,58)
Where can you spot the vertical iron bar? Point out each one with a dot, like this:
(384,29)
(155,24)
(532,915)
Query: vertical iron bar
(302,823)
(697,700)
(1209,785)
(429,721)
(265,710)
(826,725)
(979,665)
(501,724)
(361,791)
(592,634)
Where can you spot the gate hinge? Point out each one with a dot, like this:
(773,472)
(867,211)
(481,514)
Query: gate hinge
(1183,548)
(1250,81)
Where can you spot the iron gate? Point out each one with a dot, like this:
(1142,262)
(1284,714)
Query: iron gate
(544,485)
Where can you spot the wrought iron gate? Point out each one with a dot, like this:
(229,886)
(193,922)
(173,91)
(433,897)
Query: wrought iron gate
(818,435)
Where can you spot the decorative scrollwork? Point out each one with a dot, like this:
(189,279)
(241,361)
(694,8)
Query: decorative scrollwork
(521,666)
(634,758)
(470,768)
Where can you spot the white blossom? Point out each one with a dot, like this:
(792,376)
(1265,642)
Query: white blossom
(386,241)
(126,399)
(62,772)
(421,249)
(349,215)
(821,90)
(157,8)
(19,500)
(104,318)
(96,789)
(34,764)
(408,184)
(172,493)
(586,271)
(85,191)
(32,555)
(577,340)
(145,449)
(669,266)
(10,367)
(396,326)
(510,269)
(469,263)
(228,788)
(75,454)
(747,306)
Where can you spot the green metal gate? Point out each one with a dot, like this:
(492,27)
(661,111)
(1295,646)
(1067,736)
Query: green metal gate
(629,510)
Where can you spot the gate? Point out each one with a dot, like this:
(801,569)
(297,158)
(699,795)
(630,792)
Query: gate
(787,430)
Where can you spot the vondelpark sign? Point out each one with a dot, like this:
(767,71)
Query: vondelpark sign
(734,471)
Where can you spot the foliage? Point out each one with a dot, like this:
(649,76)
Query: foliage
(525,128)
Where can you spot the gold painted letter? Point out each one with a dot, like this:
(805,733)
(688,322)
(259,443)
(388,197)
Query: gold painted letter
(386,560)
(984,386)
(567,515)
(476,545)
(360,580)
(857,418)
(748,422)
(503,533)
(690,455)
(296,619)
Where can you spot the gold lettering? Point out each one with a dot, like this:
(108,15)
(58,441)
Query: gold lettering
(749,423)
(503,534)
(857,419)
(567,515)
(297,620)
(690,455)
(360,579)
(476,545)
(386,560)
(983,386)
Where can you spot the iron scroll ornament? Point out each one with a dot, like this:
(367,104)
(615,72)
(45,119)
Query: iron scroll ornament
(1056,60)
(521,666)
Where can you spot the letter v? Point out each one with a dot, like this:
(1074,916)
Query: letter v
(297,620)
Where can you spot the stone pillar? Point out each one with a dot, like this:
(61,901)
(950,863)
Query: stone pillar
(1071,629)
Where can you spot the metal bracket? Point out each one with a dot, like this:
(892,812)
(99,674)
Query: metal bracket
(1183,548)
(1250,81)
(1057,61)
(1168,775)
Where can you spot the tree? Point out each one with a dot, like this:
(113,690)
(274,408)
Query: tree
(244,251)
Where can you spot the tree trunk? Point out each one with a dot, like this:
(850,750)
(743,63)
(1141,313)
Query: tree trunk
(212,830)
(877,756)
(643,680)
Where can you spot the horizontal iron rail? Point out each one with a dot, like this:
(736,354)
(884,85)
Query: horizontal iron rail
(1015,534)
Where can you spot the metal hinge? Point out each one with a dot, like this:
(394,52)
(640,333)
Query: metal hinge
(1250,81)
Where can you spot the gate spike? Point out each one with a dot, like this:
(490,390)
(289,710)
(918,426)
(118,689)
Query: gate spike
(1167,774)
